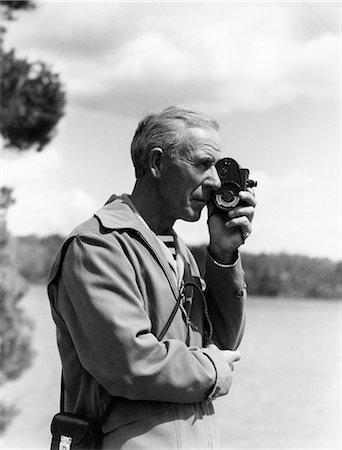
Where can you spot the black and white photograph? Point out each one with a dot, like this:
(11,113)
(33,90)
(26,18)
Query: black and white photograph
(170,225)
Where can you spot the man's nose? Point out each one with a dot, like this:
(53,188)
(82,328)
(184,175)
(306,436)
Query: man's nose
(214,181)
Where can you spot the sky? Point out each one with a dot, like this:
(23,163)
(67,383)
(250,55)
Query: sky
(269,72)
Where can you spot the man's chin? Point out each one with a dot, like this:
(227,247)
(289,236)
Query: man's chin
(193,216)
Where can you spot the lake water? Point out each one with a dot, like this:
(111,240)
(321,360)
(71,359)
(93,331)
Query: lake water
(286,392)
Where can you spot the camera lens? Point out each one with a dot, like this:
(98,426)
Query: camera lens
(228,196)
(226,200)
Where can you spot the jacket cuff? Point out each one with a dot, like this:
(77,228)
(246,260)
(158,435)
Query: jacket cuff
(233,264)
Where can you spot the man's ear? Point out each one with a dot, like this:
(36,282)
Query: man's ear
(156,161)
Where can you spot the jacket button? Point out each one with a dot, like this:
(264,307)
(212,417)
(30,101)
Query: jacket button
(239,293)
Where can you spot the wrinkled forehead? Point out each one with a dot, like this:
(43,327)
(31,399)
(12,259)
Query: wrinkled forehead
(203,140)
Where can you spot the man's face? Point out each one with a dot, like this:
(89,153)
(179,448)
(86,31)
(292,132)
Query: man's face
(187,181)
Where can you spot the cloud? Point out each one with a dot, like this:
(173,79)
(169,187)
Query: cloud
(43,205)
(291,216)
(48,211)
(68,30)
(29,168)
(222,56)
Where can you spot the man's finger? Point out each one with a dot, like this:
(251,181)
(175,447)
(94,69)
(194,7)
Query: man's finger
(237,355)
(248,197)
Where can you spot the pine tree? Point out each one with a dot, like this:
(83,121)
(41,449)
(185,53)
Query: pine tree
(32,103)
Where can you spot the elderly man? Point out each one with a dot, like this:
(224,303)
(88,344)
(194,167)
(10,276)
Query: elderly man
(135,320)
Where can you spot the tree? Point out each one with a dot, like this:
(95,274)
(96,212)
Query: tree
(15,327)
(32,103)
(32,98)
(9,7)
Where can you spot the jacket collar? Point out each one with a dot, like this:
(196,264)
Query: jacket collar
(119,213)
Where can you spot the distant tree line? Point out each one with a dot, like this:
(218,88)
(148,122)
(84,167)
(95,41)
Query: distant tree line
(35,255)
(270,275)
(287,275)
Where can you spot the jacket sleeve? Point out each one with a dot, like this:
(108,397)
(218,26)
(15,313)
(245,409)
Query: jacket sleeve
(226,299)
(111,331)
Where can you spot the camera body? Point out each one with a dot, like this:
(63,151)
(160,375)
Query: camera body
(233,180)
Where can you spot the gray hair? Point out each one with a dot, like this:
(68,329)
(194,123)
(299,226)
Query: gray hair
(166,129)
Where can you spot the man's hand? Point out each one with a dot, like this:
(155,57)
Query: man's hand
(229,356)
(229,230)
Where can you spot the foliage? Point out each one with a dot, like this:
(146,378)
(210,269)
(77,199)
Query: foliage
(7,8)
(34,256)
(293,276)
(32,102)
(15,327)
(32,96)
(6,199)
(6,415)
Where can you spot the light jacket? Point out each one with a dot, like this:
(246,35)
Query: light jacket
(111,291)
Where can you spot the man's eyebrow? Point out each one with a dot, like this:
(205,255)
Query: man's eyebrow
(203,159)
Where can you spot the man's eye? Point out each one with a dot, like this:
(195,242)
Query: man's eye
(206,164)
